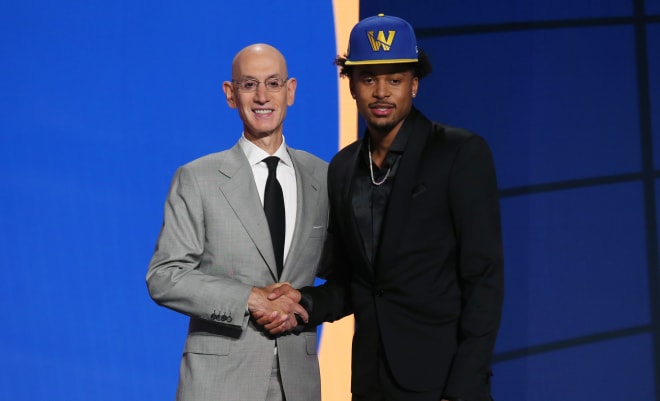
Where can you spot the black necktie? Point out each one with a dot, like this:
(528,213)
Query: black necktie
(274,208)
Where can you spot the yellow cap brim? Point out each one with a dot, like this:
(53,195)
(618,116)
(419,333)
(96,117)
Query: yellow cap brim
(392,61)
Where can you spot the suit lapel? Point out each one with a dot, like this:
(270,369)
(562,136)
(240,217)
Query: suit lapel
(348,175)
(307,193)
(397,208)
(235,171)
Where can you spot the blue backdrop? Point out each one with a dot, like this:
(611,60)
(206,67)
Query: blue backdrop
(100,102)
(567,93)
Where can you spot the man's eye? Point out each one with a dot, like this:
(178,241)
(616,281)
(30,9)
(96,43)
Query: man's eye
(273,84)
(249,85)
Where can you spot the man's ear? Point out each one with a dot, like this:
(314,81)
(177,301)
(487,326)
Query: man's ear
(291,86)
(229,94)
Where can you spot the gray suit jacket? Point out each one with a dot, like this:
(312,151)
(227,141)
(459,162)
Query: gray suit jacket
(214,246)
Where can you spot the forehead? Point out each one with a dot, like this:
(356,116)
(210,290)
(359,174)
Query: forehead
(259,64)
(382,69)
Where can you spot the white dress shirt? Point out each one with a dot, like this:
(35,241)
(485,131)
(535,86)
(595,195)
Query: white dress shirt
(286,175)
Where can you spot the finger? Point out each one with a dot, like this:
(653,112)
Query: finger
(281,289)
(267,318)
(275,328)
(301,319)
(298,310)
(285,325)
(283,328)
(292,322)
(276,323)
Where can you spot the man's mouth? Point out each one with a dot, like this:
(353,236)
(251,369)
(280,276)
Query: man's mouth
(381,109)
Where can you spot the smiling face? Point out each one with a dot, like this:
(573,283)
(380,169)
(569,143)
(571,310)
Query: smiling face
(383,94)
(262,110)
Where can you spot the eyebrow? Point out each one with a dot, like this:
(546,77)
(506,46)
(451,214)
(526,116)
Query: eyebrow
(277,75)
(365,73)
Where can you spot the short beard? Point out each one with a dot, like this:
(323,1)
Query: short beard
(383,127)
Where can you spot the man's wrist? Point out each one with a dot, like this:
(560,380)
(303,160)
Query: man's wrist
(306,301)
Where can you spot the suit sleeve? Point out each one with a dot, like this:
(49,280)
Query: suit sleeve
(475,209)
(174,279)
(331,300)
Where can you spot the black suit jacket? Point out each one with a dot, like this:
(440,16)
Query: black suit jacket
(434,293)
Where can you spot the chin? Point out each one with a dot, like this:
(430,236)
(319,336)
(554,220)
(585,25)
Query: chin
(382,126)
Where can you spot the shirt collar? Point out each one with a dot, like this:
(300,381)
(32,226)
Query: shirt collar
(256,155)
(400,141)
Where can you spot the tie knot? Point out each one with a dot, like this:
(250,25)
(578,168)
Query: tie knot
(271,162)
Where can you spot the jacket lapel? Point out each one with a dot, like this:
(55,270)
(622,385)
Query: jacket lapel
(397,209)
(347,199)
(307,193)
(235,171)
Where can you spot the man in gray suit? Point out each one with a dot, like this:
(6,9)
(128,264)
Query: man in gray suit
(216,262)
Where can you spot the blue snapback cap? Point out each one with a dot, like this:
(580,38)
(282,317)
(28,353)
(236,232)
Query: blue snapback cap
(382,39)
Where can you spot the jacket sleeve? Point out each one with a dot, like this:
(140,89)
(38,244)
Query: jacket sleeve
(331,300)
(476,213)
(174,279)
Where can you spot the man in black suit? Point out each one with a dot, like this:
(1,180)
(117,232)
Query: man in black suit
(414,239)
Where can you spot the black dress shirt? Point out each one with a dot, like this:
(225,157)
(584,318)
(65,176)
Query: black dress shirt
(369,200)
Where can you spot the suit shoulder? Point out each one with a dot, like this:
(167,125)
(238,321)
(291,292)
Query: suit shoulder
(307,158)
(313,164)
(451,133)
(457,136)
(202,166)
(346,153)
(206,160)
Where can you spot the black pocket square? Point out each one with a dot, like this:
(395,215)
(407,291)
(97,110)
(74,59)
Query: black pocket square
(421,188)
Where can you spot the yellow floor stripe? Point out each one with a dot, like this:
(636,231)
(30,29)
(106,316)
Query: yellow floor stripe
(335,346)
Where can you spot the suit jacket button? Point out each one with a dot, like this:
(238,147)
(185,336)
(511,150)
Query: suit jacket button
(379,293)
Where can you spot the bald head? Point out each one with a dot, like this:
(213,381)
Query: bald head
(261,90)
(257,53)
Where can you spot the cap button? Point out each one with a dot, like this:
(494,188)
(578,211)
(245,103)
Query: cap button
(381,15)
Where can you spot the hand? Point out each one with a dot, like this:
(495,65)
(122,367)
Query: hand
(282,291)
(285,289)
(277,315)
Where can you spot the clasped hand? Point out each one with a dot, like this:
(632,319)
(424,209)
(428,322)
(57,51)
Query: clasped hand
(276,306)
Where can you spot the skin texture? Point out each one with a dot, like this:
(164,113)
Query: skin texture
(262,113)
(276,315)
(384,96)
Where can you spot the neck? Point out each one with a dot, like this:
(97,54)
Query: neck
(382,138)
(269,143)
(379,146)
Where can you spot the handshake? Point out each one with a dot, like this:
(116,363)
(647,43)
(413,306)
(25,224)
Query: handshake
(277,308)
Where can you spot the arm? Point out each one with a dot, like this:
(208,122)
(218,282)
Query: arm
(174,278)
(277,314)
(475,207)
(325,303)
